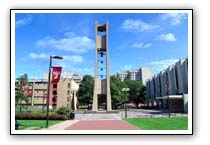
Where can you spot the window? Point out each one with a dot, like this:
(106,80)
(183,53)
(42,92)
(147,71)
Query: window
(54,92)
(68,85)
(54,85)
(68,92)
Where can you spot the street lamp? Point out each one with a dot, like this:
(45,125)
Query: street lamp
(48,91)
(125,90)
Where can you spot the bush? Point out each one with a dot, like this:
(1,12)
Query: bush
(63,111)
(33,116)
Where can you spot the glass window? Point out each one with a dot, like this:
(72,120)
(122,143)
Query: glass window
(54,92)
(54,85)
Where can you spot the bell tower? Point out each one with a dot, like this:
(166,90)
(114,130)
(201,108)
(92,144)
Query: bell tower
(101,78)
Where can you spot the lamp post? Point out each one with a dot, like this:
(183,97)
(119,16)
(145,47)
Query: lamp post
(125,90)
(48,90)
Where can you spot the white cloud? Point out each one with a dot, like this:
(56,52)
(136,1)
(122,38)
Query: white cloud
(74,58)
(138,25)
(158,66)
(127,67)
(38,56)
(69,63)
(24,21)
(166,37)
(141,45)
(78,70)
(71,59)
(173,18)
(71,42)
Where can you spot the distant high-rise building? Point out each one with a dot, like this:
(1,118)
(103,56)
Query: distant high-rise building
(145,73)
(122,75)
(142,74)
(77,78)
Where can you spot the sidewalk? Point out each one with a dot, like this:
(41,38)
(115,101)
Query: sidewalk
(62,125)
(101,125)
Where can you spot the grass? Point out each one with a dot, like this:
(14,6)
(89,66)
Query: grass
(35,123)
(172,123)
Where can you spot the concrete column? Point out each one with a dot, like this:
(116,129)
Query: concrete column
(163,87)
(147,92)
(152,93)
(185,75)
(172,80)
(32,99)
(108,93)
(95,93)
(179,78)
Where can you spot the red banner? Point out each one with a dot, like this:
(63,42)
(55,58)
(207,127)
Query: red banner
(30,92)
(56,73)
(23,89)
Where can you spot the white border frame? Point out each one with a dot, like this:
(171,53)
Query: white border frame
(108,132)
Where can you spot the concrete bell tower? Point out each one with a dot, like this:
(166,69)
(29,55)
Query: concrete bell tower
(102,78)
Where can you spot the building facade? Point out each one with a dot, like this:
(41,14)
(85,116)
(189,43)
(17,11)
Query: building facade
(142,74)
(169,88)
(62,94)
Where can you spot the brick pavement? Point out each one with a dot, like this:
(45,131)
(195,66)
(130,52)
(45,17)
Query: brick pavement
(101,125)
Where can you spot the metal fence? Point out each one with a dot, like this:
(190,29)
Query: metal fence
(146,113)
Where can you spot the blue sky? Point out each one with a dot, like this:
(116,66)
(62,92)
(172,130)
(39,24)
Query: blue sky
(135,40)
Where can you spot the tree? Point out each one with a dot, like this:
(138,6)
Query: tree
(116,86)
(20,95)
(141,98)
(134,89)
(85,92)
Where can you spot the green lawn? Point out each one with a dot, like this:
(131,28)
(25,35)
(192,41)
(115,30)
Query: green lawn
(172,123)
(36,123)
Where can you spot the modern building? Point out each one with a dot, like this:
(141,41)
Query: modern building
(145,73)
(142,74)
(122,75)
(169,88)
(77,78)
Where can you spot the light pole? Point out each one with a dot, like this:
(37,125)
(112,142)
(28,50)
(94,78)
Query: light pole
(48,90)
(125,90)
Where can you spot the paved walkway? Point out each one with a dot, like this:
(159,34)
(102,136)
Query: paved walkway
(101,125)
(62,125)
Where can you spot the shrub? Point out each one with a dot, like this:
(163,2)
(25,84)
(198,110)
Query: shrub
(63,110)
(34,116)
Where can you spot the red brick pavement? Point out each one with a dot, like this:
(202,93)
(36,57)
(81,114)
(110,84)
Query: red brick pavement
(101,125)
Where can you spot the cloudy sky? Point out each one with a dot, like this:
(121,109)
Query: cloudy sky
(135,40)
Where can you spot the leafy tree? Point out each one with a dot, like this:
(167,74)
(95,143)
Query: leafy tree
(85,92)
(20,96)
(141,98)
(134,89)
(116,86)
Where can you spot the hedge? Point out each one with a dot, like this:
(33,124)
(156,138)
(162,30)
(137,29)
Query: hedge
(33,116)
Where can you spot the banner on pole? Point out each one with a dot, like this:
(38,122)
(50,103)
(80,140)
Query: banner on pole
(23,88)
(30,92)
(56,73)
